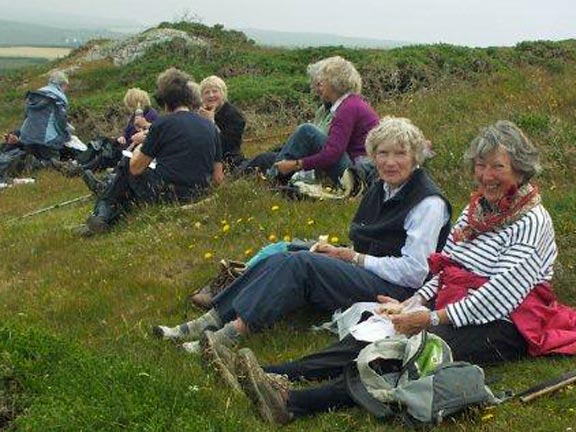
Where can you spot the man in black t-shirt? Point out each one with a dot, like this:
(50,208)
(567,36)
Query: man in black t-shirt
(179,160)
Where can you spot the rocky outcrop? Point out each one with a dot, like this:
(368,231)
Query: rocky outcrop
(125,51)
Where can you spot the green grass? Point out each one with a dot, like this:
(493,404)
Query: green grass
(75,347)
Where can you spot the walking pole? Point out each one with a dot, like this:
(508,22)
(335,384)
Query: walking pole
(548,387)
(52,207)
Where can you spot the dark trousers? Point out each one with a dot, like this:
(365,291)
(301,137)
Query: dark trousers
(285,282)
(328,364)
(125,190)
(12,157)
(492,343)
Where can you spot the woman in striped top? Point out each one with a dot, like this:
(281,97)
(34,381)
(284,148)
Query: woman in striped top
(498,258)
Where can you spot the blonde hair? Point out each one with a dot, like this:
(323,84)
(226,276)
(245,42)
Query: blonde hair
(397,131)
(136,98)
(340,74)
(214,81)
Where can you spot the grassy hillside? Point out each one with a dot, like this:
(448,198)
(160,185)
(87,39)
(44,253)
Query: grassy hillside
(75,348)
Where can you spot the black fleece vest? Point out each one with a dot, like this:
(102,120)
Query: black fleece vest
(378,226)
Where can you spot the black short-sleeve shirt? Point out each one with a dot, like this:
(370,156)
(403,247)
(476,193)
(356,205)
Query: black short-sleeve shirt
(185,146)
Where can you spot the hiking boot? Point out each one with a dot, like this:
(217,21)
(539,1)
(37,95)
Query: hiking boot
(93,183)
(229,272)
(82,230)
(97,224)
(266,392)
(216,352)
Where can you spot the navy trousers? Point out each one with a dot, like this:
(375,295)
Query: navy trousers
(285,282)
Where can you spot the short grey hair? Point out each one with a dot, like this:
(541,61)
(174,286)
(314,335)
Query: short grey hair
(214,81)
(196,101)
(524,156)
(58,78)
(398,131)
(340,74)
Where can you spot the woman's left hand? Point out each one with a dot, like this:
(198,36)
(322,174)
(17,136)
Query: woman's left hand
(341,253)
(411,323)
(286,166)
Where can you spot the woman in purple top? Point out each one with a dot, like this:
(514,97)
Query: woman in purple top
(138,102)
(339,83)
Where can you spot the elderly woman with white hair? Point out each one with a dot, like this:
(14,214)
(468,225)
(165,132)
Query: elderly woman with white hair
(229,119)
(45,128)
(401,220)
(490,297)
(309,148)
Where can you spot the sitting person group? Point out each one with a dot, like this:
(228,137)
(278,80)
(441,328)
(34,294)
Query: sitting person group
(179,160)
(489,298)
(482,285)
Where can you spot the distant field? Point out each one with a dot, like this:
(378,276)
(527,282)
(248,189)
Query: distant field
(11,63)
(35,52)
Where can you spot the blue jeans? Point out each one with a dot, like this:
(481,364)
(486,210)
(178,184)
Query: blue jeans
(308,140)
(285,282)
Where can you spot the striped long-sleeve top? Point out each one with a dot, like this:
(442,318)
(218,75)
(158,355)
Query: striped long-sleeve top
(514,258)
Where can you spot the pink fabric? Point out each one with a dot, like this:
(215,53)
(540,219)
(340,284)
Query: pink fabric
(549,327)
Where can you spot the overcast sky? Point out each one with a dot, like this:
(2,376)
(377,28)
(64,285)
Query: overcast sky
(462,22)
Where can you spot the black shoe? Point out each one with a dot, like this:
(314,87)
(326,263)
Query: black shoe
(94,184)
(97,224)
(101,218)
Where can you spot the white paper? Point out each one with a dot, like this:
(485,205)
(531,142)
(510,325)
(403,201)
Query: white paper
(76,144)
(374,328)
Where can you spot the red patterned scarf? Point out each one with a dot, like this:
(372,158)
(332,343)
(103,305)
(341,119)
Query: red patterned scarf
(483,217)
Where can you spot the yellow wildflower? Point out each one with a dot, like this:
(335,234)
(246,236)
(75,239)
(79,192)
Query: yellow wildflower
(208,255)
(287,238)
(334,240)
(275,208)
(272,238)
(487,417)
(226,228)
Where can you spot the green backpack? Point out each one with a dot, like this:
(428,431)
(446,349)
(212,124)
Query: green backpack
(416,379)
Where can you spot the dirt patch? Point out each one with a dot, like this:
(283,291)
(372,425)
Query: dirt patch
(37,52)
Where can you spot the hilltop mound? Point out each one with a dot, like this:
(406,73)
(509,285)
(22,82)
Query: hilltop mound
(125,51)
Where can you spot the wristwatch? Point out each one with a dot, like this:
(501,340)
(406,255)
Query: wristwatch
(434,319)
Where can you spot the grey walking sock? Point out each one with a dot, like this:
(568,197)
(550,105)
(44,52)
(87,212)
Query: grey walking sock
(229,332)
(191,330)
(195,328)
(227,336)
